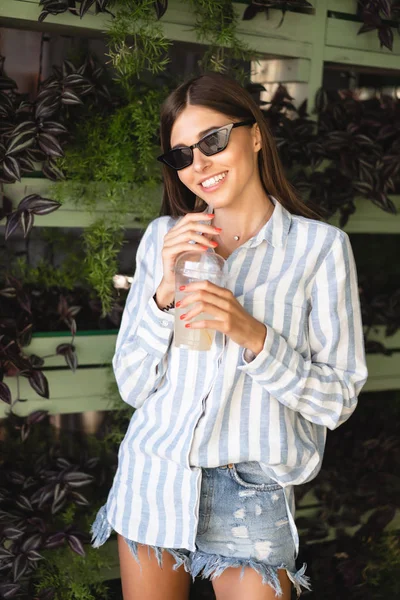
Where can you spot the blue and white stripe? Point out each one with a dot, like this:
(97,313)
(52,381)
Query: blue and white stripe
(205,409)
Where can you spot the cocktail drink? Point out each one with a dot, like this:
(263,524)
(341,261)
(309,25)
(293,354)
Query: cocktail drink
(191,267)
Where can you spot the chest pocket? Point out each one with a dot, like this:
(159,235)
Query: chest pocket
(288,319)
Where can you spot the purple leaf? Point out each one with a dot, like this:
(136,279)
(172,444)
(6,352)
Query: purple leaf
(5,394)
(9,590)
(34,556)
(385,35)
(51,170)
(50,145)
(76,545)
(37,416)
(26,219)
(32,542)
(21,142)
(69,97)
(12,533)
(55,540)
(12,224)
(23,502)
(11,168)
(39,383)
(77,479)
(79,499)
(20,565)
(84,7)
(160,8)
(53,127)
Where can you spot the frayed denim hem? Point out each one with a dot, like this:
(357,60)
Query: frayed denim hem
(213,565)
(101,531)
(180,557)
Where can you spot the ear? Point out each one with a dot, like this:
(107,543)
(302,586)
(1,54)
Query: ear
(257,141)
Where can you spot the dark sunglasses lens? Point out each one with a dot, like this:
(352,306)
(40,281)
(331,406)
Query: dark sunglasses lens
(215,142)
(179,158)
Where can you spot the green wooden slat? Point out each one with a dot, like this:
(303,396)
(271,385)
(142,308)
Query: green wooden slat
(91,350)
(87,389)
(292,39)
(317,37)
(377,334)
(84,390)
(343,34)
(70,214)
(384,372)
(343,6)
(368,218)
(349,56)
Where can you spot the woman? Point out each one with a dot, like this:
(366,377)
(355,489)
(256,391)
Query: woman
(219,438)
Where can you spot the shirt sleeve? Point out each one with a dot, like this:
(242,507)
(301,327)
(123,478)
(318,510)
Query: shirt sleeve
(146,331)
(323,388)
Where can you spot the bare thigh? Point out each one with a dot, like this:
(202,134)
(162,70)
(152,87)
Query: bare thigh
(151,582)
(229,586)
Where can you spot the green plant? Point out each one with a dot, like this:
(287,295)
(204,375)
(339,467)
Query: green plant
(216,23)
(71,575)
(136,40)
(103,241)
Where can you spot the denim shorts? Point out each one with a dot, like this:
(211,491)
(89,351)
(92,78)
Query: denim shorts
(244,521)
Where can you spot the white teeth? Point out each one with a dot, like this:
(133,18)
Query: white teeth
(213,180)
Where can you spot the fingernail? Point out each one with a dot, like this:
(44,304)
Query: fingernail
(215,244)
(183,287)
(209,214)
(182,317)
(178,303)
(187,325)
(218,228)
(204,247)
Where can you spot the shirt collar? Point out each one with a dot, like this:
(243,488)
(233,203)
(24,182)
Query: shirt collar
(275,230)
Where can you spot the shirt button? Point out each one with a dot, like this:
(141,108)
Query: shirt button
(164,323)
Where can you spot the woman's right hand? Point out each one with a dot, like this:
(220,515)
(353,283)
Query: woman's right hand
(177,241)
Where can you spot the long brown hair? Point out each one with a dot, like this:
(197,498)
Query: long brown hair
(223,94)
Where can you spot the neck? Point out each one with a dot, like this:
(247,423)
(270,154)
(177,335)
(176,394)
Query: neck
(242,222)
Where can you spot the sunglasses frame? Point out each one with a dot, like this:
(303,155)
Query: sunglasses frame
(163,157)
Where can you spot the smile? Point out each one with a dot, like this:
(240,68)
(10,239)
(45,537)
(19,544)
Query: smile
(213,181)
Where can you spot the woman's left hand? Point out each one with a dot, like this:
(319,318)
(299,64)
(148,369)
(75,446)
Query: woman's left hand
(229,315)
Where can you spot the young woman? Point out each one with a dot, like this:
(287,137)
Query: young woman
(220,438)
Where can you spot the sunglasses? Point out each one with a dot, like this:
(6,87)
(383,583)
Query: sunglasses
(210,144)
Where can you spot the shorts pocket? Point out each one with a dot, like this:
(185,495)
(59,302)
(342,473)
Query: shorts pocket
(250,475)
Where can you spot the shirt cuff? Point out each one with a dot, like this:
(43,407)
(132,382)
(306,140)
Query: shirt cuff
(155,329)
(254,363)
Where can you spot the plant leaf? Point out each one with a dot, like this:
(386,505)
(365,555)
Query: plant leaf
(5,393)
(76,545)
(50,145)
(39,383)
(11,168)
(12,224)
(20,565)
(26,218)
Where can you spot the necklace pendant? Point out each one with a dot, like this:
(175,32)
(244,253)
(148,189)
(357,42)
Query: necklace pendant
(236,237)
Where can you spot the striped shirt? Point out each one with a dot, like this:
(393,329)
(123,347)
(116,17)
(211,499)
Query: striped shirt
(204,409)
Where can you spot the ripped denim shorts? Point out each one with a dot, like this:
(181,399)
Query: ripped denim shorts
(244,521)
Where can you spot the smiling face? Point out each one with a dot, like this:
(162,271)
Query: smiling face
(224,179)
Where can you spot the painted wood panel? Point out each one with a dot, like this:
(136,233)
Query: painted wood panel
(344,34)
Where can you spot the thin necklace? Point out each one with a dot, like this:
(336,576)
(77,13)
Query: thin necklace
(238,237)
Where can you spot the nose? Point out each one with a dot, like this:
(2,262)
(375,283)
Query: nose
(200,161)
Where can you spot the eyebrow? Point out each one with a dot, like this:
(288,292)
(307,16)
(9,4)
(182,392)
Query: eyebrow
(201,134)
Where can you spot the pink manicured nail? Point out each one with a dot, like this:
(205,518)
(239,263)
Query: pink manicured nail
(183,287)
(182,317)
(187,325)
(178,303)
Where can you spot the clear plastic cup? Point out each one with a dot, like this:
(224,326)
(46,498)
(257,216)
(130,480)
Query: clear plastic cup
(191,267)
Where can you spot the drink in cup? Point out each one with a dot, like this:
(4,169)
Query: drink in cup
(189,268)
